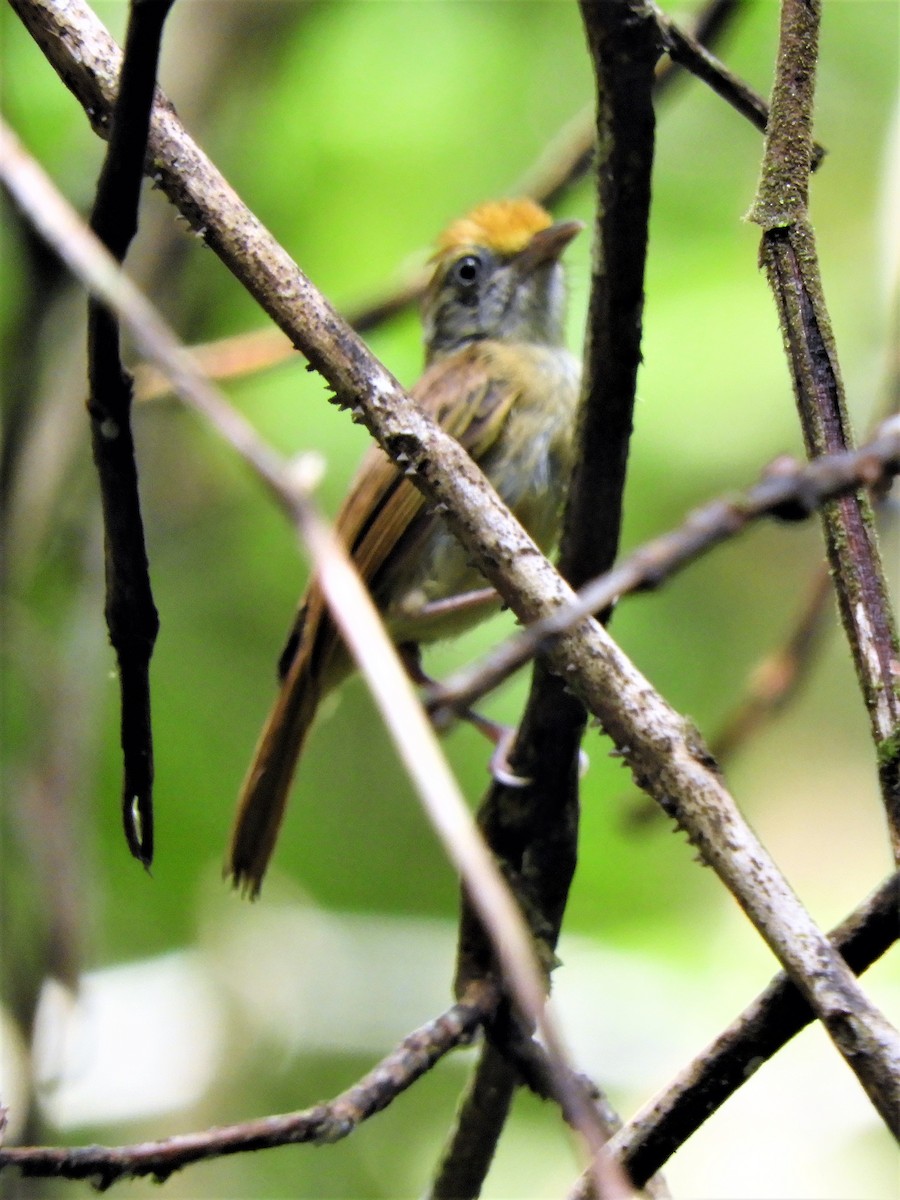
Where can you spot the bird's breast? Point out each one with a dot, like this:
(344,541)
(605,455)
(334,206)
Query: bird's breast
(529,465)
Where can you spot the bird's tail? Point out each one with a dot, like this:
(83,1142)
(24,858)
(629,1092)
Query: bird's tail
(265,789)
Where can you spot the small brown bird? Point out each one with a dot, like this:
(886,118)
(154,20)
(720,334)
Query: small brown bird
(500,380)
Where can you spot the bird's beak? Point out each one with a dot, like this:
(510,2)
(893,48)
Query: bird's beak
(547,245)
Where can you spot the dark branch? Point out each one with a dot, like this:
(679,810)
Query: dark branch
(689,52)
(415,1055)
(533,831)
(130,612)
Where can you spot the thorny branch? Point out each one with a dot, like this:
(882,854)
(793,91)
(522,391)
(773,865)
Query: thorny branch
(788,253)
(787,491)
(653,1134)
(131,615)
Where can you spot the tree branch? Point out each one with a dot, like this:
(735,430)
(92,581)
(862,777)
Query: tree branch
(324,1123)
(787,491)
(131,615)
(788,253)
(645,1143)
(688,51)
(533,831)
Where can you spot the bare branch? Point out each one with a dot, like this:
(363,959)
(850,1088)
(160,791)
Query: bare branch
(688,52)
(470,1149)
(788,253)
(665,1123)
(324,1123)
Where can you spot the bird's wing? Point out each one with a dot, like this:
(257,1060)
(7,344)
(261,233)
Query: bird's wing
(466,396)
(467,399)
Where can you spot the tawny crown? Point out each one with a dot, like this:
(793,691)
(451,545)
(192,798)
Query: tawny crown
(502,226)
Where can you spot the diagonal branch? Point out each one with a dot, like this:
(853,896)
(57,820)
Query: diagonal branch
(645,1143)
(788,253)
(688,51)
(787,491)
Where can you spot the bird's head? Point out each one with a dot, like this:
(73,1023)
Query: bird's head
(497,275)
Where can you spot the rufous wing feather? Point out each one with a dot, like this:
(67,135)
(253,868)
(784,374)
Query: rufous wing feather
(265,790)
(466,398)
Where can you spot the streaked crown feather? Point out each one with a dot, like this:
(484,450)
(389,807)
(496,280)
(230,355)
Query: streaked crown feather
(502,226)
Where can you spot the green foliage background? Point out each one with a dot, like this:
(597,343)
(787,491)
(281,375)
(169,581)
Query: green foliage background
(356,131)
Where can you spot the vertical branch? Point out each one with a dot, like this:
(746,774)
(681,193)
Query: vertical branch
(788,253)
(623,41)
(131,615)
(534,830)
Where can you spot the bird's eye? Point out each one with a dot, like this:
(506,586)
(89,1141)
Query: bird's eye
(467,270)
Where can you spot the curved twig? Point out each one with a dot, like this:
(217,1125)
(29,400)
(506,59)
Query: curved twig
(324,1123)
(131,615)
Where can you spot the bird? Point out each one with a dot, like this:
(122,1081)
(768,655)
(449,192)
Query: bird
(499,378)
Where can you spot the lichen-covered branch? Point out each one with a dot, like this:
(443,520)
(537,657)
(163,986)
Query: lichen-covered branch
(788,254)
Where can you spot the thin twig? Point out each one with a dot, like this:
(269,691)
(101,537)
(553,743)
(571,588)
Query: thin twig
(788,253)
(688,52)
(645,1143)
(324,1123)
(787,490)
(131,615)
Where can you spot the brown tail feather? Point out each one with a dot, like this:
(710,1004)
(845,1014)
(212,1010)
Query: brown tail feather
(265,790)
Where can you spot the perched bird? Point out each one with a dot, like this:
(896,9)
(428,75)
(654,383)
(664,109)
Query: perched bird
(500,380)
